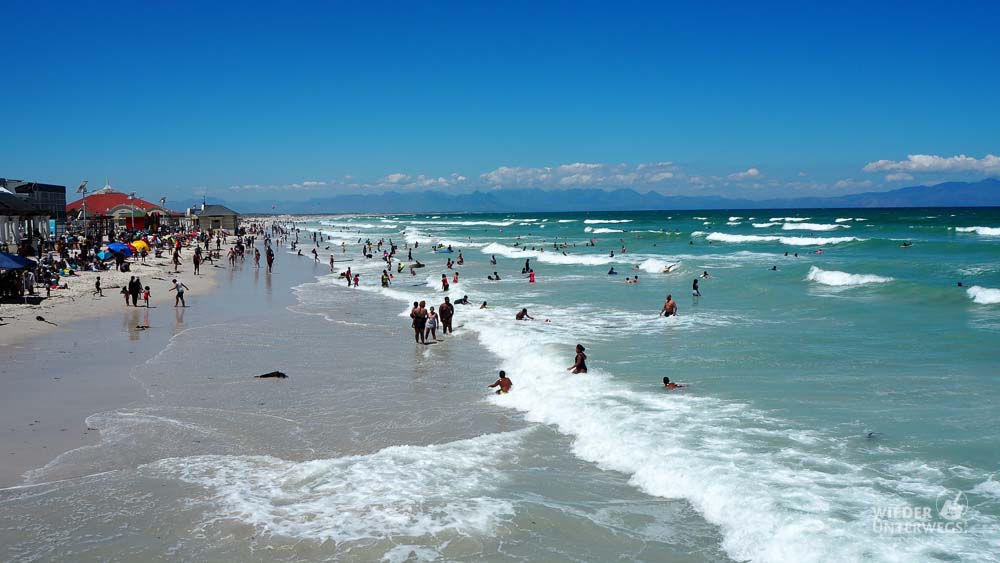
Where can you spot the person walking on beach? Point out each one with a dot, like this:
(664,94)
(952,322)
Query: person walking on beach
(270,260)
(256,259)
(134,289)
(177,260)
(669,307)
(97,287)
(580,363)
(331,263)
(145,296)
(179,287)
(504,384)
(357,278)
(196,261)
(445,312)
(124,292)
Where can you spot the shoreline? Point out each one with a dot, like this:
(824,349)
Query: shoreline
(43,363)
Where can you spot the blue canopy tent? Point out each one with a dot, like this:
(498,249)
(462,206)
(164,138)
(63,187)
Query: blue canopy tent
(14,262)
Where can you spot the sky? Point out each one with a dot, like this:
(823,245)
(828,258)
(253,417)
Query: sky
(254,101)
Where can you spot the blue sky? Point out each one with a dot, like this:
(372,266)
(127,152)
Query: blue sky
(265,100)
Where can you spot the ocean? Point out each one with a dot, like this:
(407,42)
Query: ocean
(840,402)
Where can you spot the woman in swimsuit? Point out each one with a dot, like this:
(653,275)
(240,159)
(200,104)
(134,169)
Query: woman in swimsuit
(580,364)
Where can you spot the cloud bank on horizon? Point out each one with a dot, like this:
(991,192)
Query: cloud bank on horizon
(665,177)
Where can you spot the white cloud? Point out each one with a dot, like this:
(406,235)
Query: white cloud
(898,177)
(933,163)
(748,173)
(583,174)
(397,178)
(852,183)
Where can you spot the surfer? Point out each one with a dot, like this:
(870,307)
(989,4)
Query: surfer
(670,385)
(669,307)
(705,276)
(580,363)
(504,384)
(523,314)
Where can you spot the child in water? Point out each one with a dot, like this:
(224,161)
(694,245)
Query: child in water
(671,386)
(504,384)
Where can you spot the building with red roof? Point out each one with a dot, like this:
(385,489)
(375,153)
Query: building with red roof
(108,209)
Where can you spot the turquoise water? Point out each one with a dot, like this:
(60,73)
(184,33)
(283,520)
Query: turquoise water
(839,385)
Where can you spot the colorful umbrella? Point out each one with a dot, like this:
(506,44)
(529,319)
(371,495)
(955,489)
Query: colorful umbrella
(140,245)
(14,262)
(120,249)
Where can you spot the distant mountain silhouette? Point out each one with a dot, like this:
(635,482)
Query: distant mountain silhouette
(985,193)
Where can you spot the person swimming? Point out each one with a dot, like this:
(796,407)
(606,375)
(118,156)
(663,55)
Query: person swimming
(671,386)
(523,314)
(612,272)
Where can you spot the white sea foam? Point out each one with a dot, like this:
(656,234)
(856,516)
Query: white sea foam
(700,218)
(655,265)
(601,221)
(984,295)
(764,225)
(733,223)
(465,223)
(735,218)
(549,257)
(568,220)
(601,230)
(812,227)
(843,219)
(398,491)
(791,241)
(840,279)
(984,231)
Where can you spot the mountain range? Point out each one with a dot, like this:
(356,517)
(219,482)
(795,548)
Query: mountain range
(985,193)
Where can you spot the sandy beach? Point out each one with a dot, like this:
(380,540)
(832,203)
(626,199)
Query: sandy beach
(78,301)
(41,420)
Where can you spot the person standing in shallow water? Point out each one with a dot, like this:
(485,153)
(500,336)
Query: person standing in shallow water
(580,363)
(419,314)
(445,312)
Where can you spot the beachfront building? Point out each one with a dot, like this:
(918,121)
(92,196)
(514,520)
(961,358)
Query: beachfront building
(107,210)
(50,199)
(212,217)
(19,221)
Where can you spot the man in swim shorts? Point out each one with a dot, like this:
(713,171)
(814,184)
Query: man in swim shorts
(669,307)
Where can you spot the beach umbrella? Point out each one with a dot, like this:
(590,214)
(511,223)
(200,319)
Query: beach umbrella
(104,255)
(140,245)
(14,262)
(120,249)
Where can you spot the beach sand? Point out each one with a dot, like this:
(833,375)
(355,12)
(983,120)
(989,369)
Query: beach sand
(78,301)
